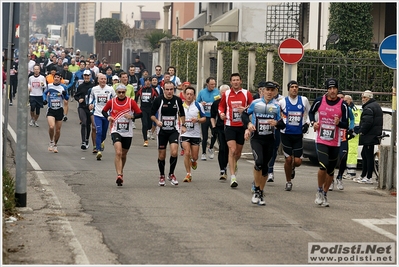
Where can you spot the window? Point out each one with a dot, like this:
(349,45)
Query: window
(116,16)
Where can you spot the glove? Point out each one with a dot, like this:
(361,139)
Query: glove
(213,131)
(350,134)
(280,125)
(45,102)
(305,128)
(356,129)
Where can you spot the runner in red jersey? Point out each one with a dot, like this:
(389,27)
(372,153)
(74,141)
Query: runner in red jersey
(231,106)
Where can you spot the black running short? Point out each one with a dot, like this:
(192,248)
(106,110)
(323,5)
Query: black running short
(194,141)
(167,137)
(126,141)
(58,114)
(235,133)
(292,144)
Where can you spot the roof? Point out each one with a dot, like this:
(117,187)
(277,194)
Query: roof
(150,15)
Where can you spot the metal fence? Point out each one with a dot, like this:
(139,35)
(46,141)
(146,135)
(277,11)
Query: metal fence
(355,75)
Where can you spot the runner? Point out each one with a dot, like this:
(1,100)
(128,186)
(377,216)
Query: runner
(191,139)
(122,110)
(54,97)
(265,119)
(168,107)
(233,103)
(99,96)
(36,85)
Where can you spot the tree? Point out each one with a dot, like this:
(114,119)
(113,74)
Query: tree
(353,23)
(110,30)
(155,36)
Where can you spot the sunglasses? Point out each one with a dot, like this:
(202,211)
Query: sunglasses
(121,92)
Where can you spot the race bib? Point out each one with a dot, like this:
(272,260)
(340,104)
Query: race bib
(189,125)
(102,99)
(207,107)
(146,97)
(55,103)
(263,127)
(236,114)
(168,122)
(122,126)
(294,118)
(327,132)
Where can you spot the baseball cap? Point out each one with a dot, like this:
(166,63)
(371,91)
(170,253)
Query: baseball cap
(117,65)
(121,87)
(261,84)
(77,50)
(331,82)
(115,77)
(269,84)
(367,94)
(147,78)
(87,72)
(137,57)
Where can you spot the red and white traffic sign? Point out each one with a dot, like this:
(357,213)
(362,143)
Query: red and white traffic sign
(291,51)
(34,17)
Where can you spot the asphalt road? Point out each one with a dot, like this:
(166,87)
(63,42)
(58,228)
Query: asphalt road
(202,222)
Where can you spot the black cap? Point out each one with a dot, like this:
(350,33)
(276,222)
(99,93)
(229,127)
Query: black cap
(331,82)
(137,57)
(291,83)
(147,78)
(262,84)
(269,84)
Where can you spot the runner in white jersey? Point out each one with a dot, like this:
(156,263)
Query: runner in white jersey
(36,85)
(191,139)
(99,96)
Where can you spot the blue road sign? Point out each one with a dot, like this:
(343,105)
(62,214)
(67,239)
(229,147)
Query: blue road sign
(388,51)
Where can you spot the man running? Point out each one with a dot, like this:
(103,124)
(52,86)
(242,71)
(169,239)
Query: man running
(54,97)
(122,111)
(169,107)
(191,139)
(295,109)
(233,103)
(332,115)
(99,96)
(265,117)
(36,85)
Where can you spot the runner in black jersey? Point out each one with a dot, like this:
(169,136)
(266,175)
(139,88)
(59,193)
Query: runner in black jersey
(169,107)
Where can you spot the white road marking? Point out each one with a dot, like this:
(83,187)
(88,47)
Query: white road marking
(80,255)
(371,224)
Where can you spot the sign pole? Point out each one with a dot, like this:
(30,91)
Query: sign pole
(391,158)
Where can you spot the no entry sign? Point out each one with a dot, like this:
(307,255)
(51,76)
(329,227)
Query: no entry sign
(291,51)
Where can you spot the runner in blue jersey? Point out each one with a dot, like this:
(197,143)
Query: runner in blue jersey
(54,97)
(265,120)
(206,97)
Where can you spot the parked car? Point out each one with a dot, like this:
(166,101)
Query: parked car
(309,146)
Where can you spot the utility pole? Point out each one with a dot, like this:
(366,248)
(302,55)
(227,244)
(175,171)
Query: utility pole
(22,118)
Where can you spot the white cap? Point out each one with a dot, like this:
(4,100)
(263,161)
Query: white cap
(115,77)
(77,50)
(368,94)
(87,72)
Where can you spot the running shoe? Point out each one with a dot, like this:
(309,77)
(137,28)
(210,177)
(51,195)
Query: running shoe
(32,122)
(256,197)
(55,149)
(36,124)
(133,125)
(261,200)
(149,134)
(325,202)
(102,146)
(233,181)
(95,150)
(270,177)
(319,198)
(293,173)
(211,152)
(357,179)
(194,165)
(182,152)
(153,136)
(288,186)
(162,180)
(366,181)
(172,179)
(83,146)
(331,188)
(87,144)
(145,144)
(51,147)
(188,178)
(99,155)
(203,156)
(223,176)
(65,118)
(340,184)
(119,180)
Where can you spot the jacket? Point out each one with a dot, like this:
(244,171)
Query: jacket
(370,123)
